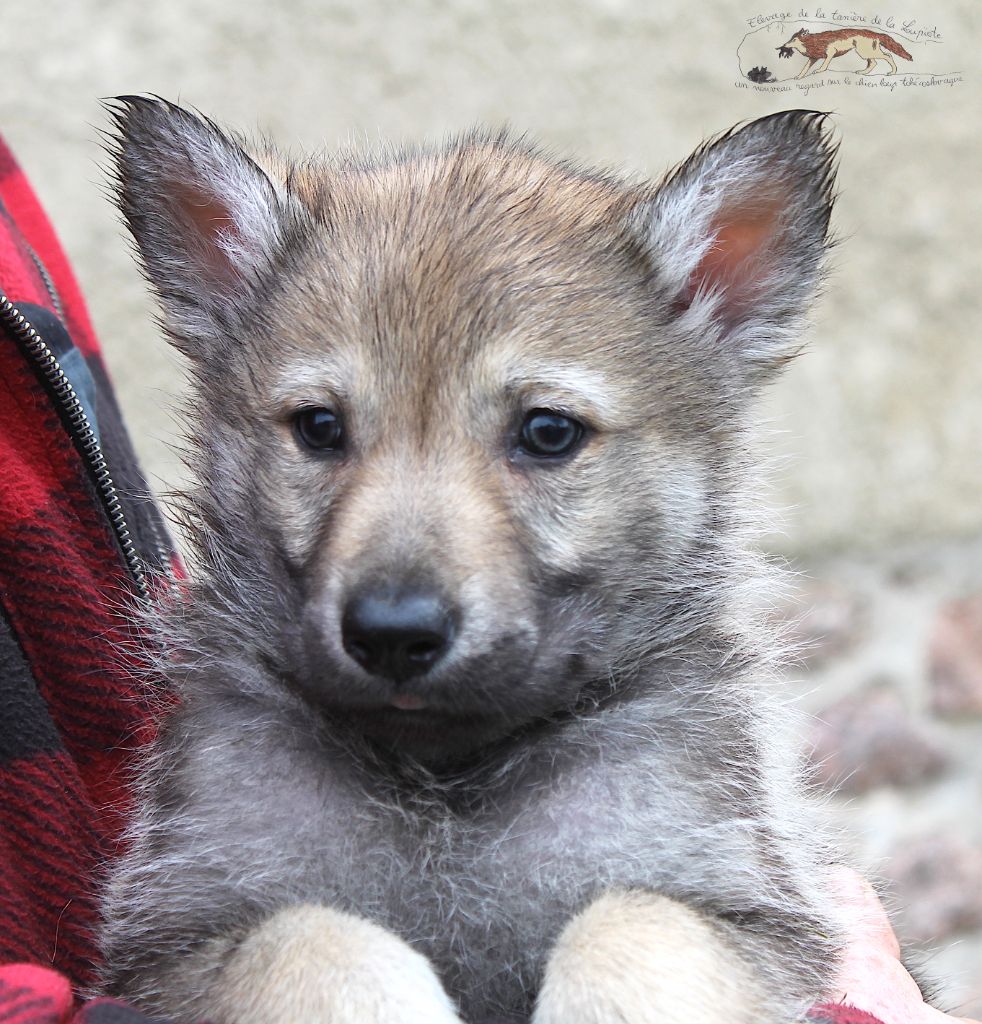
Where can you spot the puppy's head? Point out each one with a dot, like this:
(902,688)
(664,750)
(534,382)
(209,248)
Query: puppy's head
(467,419)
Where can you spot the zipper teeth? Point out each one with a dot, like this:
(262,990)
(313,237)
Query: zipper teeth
(82,433)
(48,283)
(36,260)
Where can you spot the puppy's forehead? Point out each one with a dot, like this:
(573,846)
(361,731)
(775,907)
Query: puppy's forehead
(465,185)
(465,227)
(444,253)
(480,270)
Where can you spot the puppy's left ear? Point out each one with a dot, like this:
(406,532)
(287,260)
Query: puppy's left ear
(736,238)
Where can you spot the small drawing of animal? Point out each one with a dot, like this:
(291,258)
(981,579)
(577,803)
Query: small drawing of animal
(826,46)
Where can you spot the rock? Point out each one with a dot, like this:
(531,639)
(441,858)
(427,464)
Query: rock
(937,882)
(869,739)
(955,658)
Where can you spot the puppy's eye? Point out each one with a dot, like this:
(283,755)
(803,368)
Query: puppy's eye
(318,428)
(549,435)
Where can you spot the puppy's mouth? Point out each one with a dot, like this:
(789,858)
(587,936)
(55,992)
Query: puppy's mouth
(408,702)
(408,725)
(447,713)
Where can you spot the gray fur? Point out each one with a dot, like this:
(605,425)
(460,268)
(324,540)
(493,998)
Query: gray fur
(606,723)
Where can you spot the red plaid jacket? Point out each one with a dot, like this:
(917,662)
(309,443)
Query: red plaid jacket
(76,542)
(79,539)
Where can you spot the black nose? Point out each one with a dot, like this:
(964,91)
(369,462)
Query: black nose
(397,633)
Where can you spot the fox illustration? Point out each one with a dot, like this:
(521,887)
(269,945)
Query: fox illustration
(473,723)
(826,46)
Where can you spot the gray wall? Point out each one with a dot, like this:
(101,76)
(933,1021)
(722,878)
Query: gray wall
(881,420)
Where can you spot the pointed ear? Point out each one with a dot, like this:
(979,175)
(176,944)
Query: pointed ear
(206,220)
(737,235)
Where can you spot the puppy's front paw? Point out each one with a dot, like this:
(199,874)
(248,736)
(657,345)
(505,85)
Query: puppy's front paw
(313,965)
(641,958)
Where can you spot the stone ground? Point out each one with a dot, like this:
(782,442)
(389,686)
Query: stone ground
(892,683)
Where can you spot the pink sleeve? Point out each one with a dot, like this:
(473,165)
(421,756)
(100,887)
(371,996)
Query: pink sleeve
(840,1013)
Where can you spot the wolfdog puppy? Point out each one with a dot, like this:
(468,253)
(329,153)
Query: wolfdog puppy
(470,722)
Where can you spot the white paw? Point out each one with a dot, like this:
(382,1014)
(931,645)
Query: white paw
(313,965)
(640,958)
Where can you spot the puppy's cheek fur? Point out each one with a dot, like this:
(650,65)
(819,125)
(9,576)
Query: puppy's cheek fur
(310,963)
(638,958)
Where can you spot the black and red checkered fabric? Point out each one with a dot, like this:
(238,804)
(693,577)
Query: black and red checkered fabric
(70,710)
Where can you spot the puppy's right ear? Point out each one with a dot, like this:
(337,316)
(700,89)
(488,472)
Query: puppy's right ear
(207,221)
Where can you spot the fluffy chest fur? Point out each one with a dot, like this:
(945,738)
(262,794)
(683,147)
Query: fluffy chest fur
(479,869)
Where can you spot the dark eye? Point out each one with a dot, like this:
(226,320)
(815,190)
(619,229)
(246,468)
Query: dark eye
(549,434)
(319,429)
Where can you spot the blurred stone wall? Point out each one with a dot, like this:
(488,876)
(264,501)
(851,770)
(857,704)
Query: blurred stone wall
(877,431)
(891,679)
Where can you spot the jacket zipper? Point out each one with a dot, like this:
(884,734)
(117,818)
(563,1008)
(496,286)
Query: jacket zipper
(82,435)
(48,283)
(36,260)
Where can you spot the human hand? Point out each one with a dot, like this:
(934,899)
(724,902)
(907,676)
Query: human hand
(871,977)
